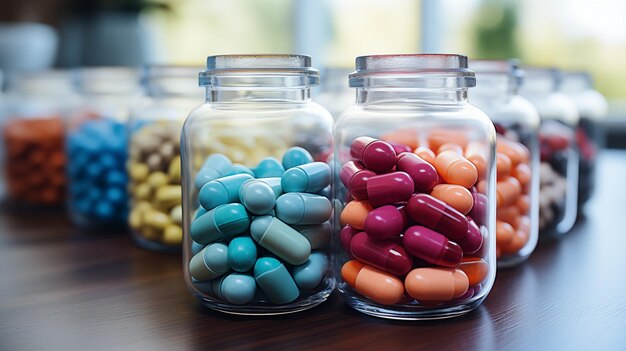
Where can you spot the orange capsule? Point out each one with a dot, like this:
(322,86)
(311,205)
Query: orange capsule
(523,204)
(379,286)
(514,150)
(475,152)
(508,191)
(503,166)
(523,173)
(456,169)
(509,214)
(350,270)
(454,195)
(475,268)
(354,214)
(403,136)
(426,154)
(481,187)
(504,233)
(442,136)
(450,147)
(436,284)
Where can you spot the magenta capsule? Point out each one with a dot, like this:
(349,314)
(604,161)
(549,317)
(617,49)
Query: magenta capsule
(389,188)
(345,236)
(473,240)
(432,247)
(354,176)
(424,174)
(399,148)
(376,155)
(479,209)
(437,215)
(386,222)
(386,255)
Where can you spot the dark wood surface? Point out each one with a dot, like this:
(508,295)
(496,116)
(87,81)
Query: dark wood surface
(67,289)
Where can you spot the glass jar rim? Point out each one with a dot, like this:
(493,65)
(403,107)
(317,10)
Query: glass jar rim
(413,71)
(107,79)
(161,71)
(510,68)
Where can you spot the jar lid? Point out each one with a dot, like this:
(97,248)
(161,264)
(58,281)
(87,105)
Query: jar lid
(430,71)
(289,71)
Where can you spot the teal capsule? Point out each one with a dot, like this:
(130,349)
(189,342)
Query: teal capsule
(274,183)
(222,190)
(280,239)
(238,168)
(222,222)
(296,156)
(236,288)
(326,192)
(258,197)
(303,208)
(215,166)
(310,178)
(309,274)
(275,280)
(195,247)
(209,263)
(241,254)
(318,235)
(269,167)
(199,212)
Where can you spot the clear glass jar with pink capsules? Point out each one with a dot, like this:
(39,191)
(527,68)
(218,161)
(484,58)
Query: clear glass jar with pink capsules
(416,234)
(559,154)
(256,187)
(517,157)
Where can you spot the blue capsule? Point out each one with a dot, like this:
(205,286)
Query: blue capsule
(269,167)
(241,254)
(215,166)
(275,280)
(238,168)
(195,247)
(222,222)
(258,197)
(209,263)
(280,239)
(236,288)
(296,156)
(318,235)
(309,274)
(310,178)
(303,208)
(222,190)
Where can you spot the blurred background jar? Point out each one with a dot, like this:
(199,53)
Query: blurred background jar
(256,187)
(335,94)
(96,146)
(37,105)
(154,155)
(416,192)
(517,160)
(593,108)
(558,199)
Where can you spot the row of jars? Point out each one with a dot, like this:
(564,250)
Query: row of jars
(405,204)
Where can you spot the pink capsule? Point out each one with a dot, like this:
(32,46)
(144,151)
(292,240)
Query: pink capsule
(345,236)
(479,209)
(437,215)
(376,155)
(389,188)
(424,174)
(399,148)
(432,247)
(386,222)
(354,176)
(473,240)
(386,255)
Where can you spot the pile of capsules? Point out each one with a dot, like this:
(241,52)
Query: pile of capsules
(413,223)
(554,141)
(513,201)
(155,192)
(35,160)
(97,173)
(258,233)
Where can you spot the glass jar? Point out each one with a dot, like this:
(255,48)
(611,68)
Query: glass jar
(416,194)
(96,146)
(256,187)
(517,157)
(335,94)
(592,107)
(154,155)
(37,104)
(558,189)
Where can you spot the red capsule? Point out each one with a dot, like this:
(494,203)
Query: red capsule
(354,176)
(432,247)
(399,148)
(376,155)
(386,222)
(437,215)
(385,255)
(424,174)
(389,188)
(473,240)
(345,236)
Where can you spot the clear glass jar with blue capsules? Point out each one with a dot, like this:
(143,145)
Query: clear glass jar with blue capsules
(96,146)
(155,216)
(415,195)
(517,157)
(559,154)
(256,181)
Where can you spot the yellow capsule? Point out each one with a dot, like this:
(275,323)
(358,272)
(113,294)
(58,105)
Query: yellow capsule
(156,219)
(142,191)
(135,218)
(141,206)
(168,196)
(157,179)
(174,169)
(150,233)
(176,214)
(173,235)
(138,171)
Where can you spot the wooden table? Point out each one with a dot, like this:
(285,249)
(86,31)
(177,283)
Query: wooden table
(66,289)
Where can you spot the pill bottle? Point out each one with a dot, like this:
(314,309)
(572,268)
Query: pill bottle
(517,157)
(36,106)
(154,155)
(335,94)
(558,171)
(256,187)
(415,196)
(96,146)
(592,107)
